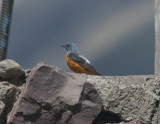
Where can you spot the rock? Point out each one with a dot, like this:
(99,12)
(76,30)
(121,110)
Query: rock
(7,98)
(2,117)
(66,116)
(128,97)
(27,72)
(91,105)
(2,105)
(131,122)
(10,72)
(9,69)
(53,96)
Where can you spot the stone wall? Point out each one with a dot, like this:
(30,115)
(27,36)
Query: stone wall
(49,95)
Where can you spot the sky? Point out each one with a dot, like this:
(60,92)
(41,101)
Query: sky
(117,36)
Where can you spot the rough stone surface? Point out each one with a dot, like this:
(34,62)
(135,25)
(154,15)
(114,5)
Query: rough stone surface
(7,97)
(131,122)
(27,72)
(10,69)
(90,105)
(53,96)
(2,106)
(129,97)
(12,77)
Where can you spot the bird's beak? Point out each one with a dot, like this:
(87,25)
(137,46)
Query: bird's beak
(64,46)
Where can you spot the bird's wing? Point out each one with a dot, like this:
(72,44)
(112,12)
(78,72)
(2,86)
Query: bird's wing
(82,61)
(87,61)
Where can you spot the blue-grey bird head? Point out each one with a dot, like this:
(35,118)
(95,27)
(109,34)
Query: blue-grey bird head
(71,48)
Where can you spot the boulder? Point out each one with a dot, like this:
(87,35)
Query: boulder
(9,69)
(53,96)
(128,98)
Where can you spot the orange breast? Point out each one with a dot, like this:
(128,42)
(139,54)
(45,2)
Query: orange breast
(75,67)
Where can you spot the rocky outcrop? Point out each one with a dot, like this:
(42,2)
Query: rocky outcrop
(7,93)
(129,97)
(11,74)
(52,96)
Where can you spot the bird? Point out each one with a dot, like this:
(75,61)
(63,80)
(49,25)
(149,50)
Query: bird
(76,62)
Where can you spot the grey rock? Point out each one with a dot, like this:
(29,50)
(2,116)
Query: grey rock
(91,105)
(66,116)
(2,117)
(7,98)
(131,122)
(53,96)
(2,105)
(130,97)
(9,69)
(27,72)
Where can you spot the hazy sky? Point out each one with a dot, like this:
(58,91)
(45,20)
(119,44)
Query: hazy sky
(117,36)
